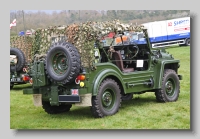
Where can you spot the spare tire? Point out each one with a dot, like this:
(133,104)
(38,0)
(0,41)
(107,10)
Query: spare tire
(62,63)
(20,59)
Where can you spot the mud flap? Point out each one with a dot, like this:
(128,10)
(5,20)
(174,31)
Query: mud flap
(85,100)
(37,100)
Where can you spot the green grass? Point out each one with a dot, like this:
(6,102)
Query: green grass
(142,112)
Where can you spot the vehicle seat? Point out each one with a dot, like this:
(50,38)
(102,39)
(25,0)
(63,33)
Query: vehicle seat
(118,59)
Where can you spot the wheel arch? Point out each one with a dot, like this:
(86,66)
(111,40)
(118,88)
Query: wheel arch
(108,73)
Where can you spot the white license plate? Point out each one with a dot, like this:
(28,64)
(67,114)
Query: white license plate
(15,79)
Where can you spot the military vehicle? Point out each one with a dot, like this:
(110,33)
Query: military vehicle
(81,70)
(18,68)
(20,48)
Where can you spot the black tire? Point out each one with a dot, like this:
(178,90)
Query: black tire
(20,59)
(108,99)
(187,42)
(170,87)
(62,63)
(11,85)
(127,97)
(55,109)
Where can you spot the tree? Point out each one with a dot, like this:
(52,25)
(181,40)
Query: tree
(111,14)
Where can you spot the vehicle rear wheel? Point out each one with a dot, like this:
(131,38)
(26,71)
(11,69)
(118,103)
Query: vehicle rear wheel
(170,88)
(108,99)
(55,109)
(187,42)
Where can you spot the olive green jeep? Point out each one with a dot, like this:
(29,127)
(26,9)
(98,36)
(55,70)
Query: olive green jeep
(101,76)
(20,49)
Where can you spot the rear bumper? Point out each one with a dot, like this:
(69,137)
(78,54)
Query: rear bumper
(60,98)
(55,99)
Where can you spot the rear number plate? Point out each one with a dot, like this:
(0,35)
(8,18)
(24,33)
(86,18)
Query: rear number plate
(15,79)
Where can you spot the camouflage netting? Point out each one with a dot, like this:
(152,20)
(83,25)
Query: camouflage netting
(43,37)
(82,36)
(24,43)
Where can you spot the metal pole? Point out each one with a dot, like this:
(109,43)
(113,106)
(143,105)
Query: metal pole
(25,37)
(79,15)
(16,19)
(23,20)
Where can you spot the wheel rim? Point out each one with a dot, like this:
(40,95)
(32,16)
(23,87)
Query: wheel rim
(170,87)
(59,63)
(108,99)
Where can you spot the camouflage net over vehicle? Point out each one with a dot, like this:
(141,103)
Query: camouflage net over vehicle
(24,43)
(82,36)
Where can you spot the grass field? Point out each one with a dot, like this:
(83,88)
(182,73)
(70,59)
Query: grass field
(142,112)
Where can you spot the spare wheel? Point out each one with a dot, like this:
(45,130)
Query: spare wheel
(62,63)
(20,59)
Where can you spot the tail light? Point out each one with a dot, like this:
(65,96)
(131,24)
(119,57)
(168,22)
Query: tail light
(79,78)
(26,78)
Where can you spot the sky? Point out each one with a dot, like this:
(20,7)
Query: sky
(47,11)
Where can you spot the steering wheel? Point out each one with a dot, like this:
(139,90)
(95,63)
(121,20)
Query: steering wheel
(133,52)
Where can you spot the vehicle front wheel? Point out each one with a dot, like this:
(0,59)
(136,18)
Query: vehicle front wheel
(108,99)
(170,88)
